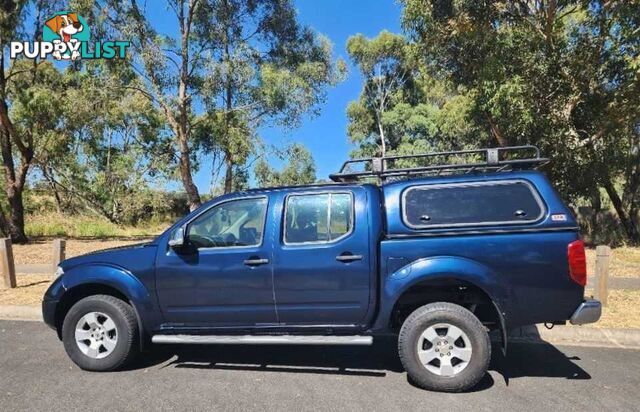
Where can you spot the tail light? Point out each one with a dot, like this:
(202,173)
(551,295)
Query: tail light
(577,262)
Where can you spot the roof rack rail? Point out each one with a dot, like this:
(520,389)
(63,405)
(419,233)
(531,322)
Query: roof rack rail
(497,159)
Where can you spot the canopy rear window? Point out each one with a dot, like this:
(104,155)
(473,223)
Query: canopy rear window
(471,204)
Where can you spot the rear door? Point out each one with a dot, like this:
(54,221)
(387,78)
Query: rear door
(321,259)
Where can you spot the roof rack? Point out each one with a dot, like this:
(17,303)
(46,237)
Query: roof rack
(498,159)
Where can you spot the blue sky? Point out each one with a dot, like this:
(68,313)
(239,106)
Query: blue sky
(325,136)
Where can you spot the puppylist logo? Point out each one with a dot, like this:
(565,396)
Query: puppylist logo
(66,37)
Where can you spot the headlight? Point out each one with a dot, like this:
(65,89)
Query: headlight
(59,272)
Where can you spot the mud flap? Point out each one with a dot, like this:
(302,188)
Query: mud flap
(503,328)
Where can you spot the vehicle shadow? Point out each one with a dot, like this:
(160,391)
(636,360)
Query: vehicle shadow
(375,360)
(523,360)
(534,357)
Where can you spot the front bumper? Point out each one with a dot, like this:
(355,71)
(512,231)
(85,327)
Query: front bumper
(49,312)
(589,311)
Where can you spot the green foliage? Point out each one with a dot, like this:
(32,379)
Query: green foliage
(232,67)
(109,150)
(386,65)
(560,75)
(266,68)
(425,115)
(384,55)
(299,170)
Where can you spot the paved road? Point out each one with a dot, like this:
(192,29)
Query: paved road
(36,374)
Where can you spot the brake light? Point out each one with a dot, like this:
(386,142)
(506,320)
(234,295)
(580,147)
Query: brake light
(577,262)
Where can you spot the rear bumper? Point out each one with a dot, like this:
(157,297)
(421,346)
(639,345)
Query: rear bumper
(589,311)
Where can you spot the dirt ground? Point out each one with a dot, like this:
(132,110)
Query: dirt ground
(30,290)
(42,251)
(625,262)
(623,310)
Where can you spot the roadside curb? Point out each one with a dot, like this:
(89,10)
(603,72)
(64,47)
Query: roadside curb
(560,335)
(21,312)
(578,336)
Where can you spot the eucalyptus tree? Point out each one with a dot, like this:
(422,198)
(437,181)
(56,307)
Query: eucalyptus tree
(229,68)
(109,149)
(559,74)
(403,108)
(386,67)
(266,69)
(28,114)
(168,65)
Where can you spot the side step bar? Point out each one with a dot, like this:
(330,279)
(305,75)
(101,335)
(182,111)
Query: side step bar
(264,339)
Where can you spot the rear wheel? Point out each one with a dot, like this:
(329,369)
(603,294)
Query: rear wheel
(100,333)
(444,347)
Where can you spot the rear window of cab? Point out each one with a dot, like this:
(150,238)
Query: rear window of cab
(471,204)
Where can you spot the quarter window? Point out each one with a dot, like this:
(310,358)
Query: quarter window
(471,204)
(234,223)
(318,217)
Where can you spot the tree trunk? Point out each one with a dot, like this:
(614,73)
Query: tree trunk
(497,134)
(14,183)
(183,101)
(47,173)
(383,145)
(193,197)
(228,177)
(16,219)
(630,227)
(596,209)
(228,159)
(13,189)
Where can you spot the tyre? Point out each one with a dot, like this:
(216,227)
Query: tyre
(100,333)
(444,347)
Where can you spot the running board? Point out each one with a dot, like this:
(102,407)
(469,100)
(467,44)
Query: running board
(264,339)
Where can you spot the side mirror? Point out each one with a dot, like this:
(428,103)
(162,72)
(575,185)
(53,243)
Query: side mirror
(177,238)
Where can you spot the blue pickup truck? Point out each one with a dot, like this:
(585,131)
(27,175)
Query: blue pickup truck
(437,252)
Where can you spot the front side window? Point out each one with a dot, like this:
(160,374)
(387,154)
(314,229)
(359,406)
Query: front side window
(318,218)
(454,205)
(230,224)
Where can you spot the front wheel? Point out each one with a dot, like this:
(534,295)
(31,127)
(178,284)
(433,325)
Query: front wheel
(444,347)
(100,333)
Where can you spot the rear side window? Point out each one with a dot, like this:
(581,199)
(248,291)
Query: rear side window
(318,218)
(471,204)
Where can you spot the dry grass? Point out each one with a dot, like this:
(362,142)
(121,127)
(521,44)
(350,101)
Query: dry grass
(625,262)
(54,224)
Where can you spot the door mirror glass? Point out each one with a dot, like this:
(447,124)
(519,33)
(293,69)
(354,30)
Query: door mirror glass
(177,238)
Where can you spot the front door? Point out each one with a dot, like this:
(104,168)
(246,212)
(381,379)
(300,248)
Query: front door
(322,273)
(222,276)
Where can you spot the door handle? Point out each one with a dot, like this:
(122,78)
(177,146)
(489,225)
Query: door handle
(256,262)
(348,258)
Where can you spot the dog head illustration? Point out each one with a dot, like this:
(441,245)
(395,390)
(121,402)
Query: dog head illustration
(65,25)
